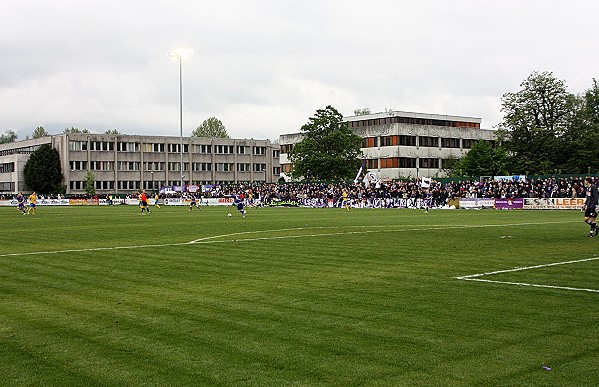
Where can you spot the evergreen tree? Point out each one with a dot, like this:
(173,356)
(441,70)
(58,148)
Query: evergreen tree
(42,171)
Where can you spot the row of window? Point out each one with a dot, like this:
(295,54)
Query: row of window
(414,121)
(424,141)
(401,140)
(391,162)
(171,166)
(170,148)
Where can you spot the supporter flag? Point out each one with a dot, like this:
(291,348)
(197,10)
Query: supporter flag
(370,178)
(425,182)
(360,171)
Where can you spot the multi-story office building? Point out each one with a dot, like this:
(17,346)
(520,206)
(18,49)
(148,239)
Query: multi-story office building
(404,144)
(128,163)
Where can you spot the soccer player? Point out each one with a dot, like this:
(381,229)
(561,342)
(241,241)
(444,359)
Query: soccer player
(156,197)
(345,200)
(238,202)
(21,203)
(32,202)
(193,202)
(143,202)
(590,206)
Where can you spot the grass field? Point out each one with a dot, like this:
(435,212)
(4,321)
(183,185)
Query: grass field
(299,297)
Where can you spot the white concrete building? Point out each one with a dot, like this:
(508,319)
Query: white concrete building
(128,163)
(405,144)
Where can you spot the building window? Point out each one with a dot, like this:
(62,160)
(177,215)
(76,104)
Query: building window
(202,167)
(243,167)
(128,147)
(7,167)
(75,184)
(428,163)
(151,147)
(259,150)
(370,142)
(223,149)
(78,165)
(372,164)
(243,150)
(286,148)
(407,140)
(276,153)
(202,148)
(78,145)
(154,166)
(128,165)
(467,143)
(101,146)
(390,162)
(450,142)
(276,170)
(101,165)
(224,167)
(259,167)
(428,141)
(389,140)
(407,162)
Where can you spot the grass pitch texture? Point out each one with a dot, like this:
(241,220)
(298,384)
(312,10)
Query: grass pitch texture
(291,296)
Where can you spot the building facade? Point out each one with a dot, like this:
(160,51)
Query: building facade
(128,163)
(405,144)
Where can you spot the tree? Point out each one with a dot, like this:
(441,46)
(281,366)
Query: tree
(75,130)
(536,119)
(329,149)
(112,131)
(211,127)
(483,160)
(42,171)
(90,187)
(10,136)
(39,132)
(582,136)
(362,112)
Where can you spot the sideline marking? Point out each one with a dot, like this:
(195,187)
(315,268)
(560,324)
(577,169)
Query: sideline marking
(212,239)
(476,277)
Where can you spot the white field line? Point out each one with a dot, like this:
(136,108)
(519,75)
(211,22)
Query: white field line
(476,277)
(213,239)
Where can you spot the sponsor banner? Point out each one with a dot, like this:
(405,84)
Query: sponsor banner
(477,203)
(83,202)
(553,203)
(509,204)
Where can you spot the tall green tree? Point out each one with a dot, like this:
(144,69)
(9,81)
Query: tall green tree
(329,149)
(211,127)
(75,130)
(581,140)
(42,171)
(535,121)
(483,160)
(39,132)
(90,186)
(9,136)
(112,131)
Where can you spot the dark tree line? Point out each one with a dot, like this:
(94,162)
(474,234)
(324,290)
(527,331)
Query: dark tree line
(545,130)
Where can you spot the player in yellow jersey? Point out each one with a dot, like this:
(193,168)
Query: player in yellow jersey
(32,203)
(345,200)
(156,197)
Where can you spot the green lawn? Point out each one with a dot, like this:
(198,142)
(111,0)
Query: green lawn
(298,297)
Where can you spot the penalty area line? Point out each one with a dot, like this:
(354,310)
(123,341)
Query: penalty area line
(477,277)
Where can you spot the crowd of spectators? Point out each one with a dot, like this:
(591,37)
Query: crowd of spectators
(437,193)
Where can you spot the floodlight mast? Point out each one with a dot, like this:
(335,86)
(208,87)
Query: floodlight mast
(179,55)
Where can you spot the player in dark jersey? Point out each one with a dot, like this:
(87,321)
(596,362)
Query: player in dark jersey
(590,206)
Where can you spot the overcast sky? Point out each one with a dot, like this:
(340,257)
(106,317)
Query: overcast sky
(264,67)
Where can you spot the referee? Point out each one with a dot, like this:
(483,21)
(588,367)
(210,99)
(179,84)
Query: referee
(590,206)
